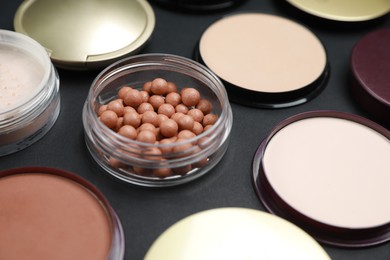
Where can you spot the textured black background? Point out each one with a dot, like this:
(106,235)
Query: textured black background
(145,213)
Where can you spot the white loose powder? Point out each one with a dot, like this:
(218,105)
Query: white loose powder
(20,77)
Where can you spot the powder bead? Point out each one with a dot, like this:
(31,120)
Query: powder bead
(190,97)
(116,106)
(209,119)
(144,107)
(169,128)
(205,106)
(109,118)
(166,109)
(173,98)
(159,86)
(156,101)
(185,122)
(150,117)
(196,114)
(132,98)
(132,118)
(128,131)
(146,137)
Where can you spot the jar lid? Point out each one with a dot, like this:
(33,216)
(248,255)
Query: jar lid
(344,10)
(370,63)
(259,67)
(339,164)
(234,233)
(86,34)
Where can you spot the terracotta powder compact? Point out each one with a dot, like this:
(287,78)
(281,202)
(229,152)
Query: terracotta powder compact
(47,213)
(328,172)
(264,60)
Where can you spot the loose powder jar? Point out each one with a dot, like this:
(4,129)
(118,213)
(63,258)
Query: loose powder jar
(264,60)
(234,233)
(328,172)
(47,213)
(157,120)
(29,92)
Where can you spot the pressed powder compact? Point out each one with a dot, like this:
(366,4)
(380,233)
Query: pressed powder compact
(328,172)
(370,77)
(86,34)
(47,213)
(264,60)
(199,5)
(344,10)
(234,233)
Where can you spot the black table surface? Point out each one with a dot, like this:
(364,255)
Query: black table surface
(146,212)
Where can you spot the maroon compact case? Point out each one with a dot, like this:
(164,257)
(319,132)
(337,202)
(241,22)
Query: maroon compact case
(370,74)
(344,188)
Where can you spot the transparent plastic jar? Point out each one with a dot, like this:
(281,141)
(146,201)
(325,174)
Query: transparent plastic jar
(29,92)
(128,159)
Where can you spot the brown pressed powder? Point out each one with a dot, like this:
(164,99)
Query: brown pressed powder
(46,216)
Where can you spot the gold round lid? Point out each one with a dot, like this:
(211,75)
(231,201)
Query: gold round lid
(86,34)
(344,10)
(234,233)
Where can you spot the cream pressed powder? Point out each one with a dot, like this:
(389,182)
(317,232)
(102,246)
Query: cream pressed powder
(272,61)
(49,214)
(234,233)
(333,169)
(29,92)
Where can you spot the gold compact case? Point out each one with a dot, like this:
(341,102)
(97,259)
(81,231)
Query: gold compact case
(86,34)
(344,10)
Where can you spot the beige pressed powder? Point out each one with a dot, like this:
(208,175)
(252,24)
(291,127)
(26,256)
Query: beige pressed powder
(263,53)
(332,168)
(52,216)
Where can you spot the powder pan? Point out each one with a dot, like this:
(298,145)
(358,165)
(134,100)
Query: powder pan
(258,66)
(369,75)
(62,211)
(88,34)
(327,172)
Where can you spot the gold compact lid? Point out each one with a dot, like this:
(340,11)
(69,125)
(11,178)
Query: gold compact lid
(344,10)
(233,233)
(86,34)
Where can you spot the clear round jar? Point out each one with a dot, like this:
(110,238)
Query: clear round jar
(29,92)
(131,160)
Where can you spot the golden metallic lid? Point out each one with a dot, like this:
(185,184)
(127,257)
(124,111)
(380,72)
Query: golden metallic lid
(344,10)
(86,34)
